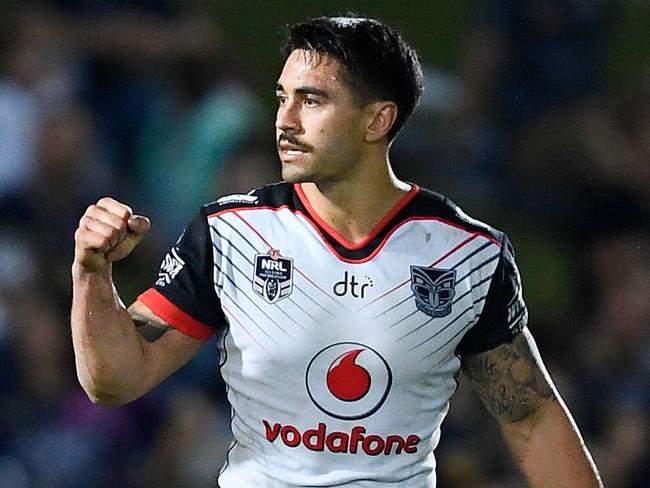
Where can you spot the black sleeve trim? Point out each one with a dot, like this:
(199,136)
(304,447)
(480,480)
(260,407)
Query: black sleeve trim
(504,314)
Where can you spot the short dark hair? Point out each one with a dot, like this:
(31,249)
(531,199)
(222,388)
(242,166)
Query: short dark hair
(379,64)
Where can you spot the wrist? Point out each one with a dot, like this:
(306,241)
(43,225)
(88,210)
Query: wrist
(81,273)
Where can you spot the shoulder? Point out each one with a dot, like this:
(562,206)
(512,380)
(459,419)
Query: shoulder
(273,195)
(428,204)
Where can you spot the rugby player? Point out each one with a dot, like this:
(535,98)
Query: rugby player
(345,300)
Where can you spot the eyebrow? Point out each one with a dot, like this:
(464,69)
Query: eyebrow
(305,90)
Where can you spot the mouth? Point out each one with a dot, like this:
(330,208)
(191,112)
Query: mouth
(290,151)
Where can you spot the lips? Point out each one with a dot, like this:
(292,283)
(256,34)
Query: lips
(290,151)
(288,146)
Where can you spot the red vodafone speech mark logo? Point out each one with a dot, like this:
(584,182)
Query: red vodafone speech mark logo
(348,380)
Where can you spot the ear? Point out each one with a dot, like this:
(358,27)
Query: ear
(382,116)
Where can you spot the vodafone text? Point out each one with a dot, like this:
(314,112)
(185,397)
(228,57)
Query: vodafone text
(319,439)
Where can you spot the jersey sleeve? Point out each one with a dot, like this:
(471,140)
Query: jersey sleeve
(184,295)
(504,314)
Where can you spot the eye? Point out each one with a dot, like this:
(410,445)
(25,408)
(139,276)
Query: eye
(311,102)
(281,98)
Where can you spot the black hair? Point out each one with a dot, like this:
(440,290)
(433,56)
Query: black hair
(378,63)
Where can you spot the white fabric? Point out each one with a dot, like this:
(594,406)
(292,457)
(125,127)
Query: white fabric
(276,356)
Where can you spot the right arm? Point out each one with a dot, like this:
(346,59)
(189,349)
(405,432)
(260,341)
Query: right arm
(120,354)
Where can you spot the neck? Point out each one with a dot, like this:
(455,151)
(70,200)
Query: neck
(355,205)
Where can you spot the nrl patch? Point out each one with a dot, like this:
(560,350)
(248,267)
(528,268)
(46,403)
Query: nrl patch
(273,276)
(433,289)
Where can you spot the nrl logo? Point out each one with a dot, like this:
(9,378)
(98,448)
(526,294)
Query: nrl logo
(273,277)
(433,290)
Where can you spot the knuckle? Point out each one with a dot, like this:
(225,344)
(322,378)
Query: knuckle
(126,210)
(113,207)
(94,212)
(105,201)
(81,234)
(83,221)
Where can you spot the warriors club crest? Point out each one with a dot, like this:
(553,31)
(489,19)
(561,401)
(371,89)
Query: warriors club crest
(273,276)
(433,289)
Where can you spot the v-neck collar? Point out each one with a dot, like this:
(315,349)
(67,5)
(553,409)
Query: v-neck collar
(336,237)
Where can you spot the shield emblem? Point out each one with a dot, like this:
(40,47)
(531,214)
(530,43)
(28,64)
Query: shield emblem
(273,276)
(433,289)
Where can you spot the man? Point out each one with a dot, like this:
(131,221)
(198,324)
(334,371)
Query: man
(346,300)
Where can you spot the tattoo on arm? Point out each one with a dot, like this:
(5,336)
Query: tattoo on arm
(510,379)
(149,329)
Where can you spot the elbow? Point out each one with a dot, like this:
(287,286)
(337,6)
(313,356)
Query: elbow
(105,399)
(103,393)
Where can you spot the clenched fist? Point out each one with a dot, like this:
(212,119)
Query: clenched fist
(108,231)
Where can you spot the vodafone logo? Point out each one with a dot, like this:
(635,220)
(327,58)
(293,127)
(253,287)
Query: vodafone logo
(348,380)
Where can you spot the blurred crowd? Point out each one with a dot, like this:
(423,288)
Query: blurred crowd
(145,101)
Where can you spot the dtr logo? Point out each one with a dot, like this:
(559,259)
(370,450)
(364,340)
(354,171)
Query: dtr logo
(348,380)
(349,283)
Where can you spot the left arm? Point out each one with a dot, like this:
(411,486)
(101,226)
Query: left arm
(516,389)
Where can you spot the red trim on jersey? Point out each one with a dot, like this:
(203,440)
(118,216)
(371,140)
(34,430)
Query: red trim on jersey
(440,259)
(380,245)
(160,305)
(392,231)
(250,226)
(311,222)
(261,207)
(373,233)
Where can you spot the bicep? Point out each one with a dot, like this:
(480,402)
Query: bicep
(510,379)
(165,348)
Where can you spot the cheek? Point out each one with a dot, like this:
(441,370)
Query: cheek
(334,140)
(339,132)
(335,132)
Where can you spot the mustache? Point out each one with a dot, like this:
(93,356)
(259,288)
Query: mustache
(292,139)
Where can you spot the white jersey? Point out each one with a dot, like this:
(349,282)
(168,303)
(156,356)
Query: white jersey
(340,359)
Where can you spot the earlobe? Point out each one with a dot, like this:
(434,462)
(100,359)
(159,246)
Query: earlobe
(383,115)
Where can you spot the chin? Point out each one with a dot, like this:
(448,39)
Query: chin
(294,175)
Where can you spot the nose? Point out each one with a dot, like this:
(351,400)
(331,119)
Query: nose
(288,117)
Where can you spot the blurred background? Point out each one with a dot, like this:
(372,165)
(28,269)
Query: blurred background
(536,118)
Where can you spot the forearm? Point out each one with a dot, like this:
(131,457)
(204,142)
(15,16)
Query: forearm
(517,390)
(109,353)
(549,449)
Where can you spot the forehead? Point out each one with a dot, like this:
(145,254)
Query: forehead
(309,68)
